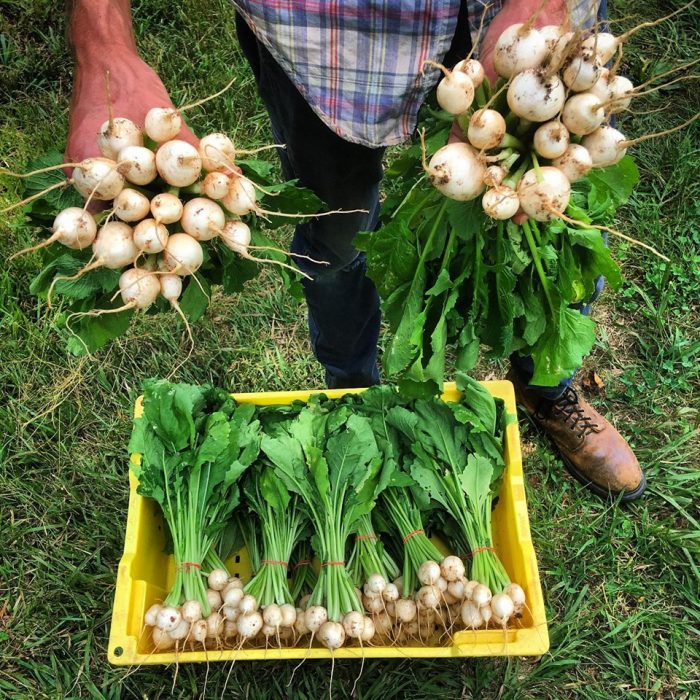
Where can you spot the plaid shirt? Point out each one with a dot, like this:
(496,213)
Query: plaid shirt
(360,64)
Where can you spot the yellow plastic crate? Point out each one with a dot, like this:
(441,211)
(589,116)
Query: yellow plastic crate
(146,572)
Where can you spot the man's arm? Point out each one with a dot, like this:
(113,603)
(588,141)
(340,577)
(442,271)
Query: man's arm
(515,12)
(100,33)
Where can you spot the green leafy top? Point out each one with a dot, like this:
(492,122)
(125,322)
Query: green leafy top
(328,455)
(194,443)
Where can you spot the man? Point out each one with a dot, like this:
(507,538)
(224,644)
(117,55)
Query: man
(341,81)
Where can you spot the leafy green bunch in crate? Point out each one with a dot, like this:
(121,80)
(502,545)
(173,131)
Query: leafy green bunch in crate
(351,482)
(176,219)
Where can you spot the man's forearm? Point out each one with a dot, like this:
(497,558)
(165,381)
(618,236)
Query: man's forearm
(97,27)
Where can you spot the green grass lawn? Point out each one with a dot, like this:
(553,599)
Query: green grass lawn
(622,584)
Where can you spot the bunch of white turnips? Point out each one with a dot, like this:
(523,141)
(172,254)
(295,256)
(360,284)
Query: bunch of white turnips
(560,97)
(133,232)
(447,601)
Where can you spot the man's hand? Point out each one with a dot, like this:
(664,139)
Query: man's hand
(105,53)
(515,12)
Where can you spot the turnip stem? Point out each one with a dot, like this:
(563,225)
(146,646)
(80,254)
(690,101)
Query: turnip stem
(206,99)
(27,200)
(544,280)
(614,232)
(477,38)
(47,169)
(646,25)
(666,132)
(510,141)
(447,73)
(536,166)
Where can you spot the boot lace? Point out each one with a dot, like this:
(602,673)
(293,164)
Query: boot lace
(568,408)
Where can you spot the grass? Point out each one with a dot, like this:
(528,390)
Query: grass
(622,584)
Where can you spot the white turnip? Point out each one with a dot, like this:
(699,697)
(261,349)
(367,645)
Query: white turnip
(574,163)
(551,139)
(486,128)
(457,172)
(166,208)
(178,163)
(116,134)
(150,236)
(518,48)
(130,205)
(535,96)
(542,193)
(137,164)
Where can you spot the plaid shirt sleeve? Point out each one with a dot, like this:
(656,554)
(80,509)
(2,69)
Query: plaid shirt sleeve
(359,64)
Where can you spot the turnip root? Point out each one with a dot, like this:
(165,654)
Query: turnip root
(130,205)
(518,48)
(429,573)
(182,255)
(162,641)
(191,610)
(535,96)
(542,191)
(582,71)
(494,175)
(331,635)
(98,178)
(168,618)
(605,146)
(73,228)
(178,163)
(582,113)
(114,246)
(574,163)
(162,124)
(166,208)
(472,69)
(456,171)
(202,219)
(216,185)
(139,288)
(471,615)
(217,579)
(486,128)
(236,235)
(116,134)
(500,202)
(551,33)
(481,596)
(551,139)
(151,614)
(455,93)
(150,236)
(137,164)
(452,568)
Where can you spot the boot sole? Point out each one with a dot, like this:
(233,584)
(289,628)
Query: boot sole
(599,490)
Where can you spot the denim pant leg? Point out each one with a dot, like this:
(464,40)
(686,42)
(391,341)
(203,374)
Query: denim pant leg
(343,303)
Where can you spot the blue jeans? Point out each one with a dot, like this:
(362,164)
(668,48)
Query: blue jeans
(343,304)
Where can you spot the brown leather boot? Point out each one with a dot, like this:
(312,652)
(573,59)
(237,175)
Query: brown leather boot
(592,450)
